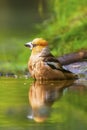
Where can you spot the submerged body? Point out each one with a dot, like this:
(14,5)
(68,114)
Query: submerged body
(43,65)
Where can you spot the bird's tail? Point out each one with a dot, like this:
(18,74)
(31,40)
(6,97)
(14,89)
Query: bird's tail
(71,75)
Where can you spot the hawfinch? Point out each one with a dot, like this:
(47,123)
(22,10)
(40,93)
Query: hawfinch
(43,65)
(42,95)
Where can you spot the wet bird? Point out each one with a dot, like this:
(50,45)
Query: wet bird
(43,65)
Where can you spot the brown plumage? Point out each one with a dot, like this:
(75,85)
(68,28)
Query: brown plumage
(43,65)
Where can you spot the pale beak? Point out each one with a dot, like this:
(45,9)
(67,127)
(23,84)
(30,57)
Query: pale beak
(29,44)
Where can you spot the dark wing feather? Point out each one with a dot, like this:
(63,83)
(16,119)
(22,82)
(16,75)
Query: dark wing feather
(51,61)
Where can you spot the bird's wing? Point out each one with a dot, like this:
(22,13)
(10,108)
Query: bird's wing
(53,62)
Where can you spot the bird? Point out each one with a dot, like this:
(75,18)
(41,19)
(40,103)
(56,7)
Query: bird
(42,65)
(43,94)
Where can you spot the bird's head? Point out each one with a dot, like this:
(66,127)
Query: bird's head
(37,45)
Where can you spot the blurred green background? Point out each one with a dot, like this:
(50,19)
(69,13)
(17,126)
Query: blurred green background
(62,22)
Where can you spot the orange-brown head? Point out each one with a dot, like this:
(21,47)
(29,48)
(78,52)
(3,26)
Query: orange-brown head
(37,45)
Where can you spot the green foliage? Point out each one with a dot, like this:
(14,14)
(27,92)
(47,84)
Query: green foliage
(13,54)
(65,27)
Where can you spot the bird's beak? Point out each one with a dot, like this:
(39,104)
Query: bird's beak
(29,44)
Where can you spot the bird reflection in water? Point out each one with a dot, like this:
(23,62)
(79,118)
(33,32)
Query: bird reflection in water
(42,94)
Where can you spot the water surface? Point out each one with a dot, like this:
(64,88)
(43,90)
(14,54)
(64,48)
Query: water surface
(26,104)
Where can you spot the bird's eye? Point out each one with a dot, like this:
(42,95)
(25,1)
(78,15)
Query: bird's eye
(34,45)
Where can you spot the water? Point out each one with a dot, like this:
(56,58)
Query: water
(59,105)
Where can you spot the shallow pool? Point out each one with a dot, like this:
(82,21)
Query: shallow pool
(35,105)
